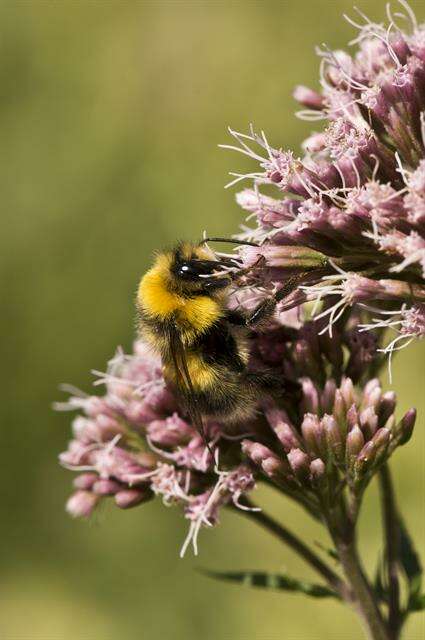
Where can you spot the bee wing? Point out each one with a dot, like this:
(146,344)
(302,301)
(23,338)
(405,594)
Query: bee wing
(184,381)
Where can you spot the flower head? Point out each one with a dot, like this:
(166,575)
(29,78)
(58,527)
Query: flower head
(357,196)
(346,224)
(313,438)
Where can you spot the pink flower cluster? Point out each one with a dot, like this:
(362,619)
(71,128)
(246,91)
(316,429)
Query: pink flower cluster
(356,199)
(349,222)
(133,444)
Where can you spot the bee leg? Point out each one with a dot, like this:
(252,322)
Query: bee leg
(264,381)
(265,310)
(272,383)
(261,313)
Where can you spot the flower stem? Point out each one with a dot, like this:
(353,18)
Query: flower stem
(392,542)
(365,602)
(292,541)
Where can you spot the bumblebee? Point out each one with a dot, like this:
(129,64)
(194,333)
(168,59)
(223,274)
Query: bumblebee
(182,304)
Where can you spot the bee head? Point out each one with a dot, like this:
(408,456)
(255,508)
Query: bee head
(195,269)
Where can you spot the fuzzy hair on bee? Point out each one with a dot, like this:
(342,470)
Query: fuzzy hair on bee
(182,304)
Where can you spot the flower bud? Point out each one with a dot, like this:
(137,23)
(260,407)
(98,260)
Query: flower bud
(132,497)
(147,459)
(106,487)
(309,427)
(390,423)
(352,417)
(320,436)
(108,427)
(333,436)
(310,402)
(354,442)
(314,143)
(275,468)
(401,48)
(280,423)
(82,504)
(365,459)
(339,412)
(368,422)
(347,390)
(308,97)
(370,386)
(328,395)
(373,399)
(369,390)
(287,436)
(387,406)
(85,480)
(405,427)
(299,462)
(274,415)
(380,441)
(317,468)
(291,256)
(170,432)
(256,452)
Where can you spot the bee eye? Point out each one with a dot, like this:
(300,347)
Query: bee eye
(187,271)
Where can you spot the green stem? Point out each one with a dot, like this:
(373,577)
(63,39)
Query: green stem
(292,541)
(365,602)
(304,501)
(392,543)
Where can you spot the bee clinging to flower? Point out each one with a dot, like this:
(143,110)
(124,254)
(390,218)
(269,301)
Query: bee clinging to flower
(184,315)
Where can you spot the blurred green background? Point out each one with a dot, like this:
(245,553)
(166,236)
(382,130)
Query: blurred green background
(110,117)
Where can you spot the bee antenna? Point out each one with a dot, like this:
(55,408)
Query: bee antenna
(241,242)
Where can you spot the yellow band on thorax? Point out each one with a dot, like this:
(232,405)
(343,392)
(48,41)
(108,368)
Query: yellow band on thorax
(156,299)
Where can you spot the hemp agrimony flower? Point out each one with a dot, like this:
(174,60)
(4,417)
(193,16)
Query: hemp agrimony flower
(347,225)
(357,196)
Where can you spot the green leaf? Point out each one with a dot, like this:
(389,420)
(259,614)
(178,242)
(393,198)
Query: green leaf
(274,581)
(411,564)
(380,588)
(417,602)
